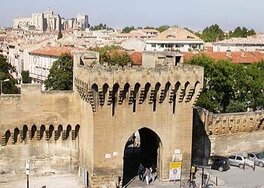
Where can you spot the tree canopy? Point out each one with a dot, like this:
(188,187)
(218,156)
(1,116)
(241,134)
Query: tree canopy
(6,70)
(59,35)
(230,87)
(213,33)
(25,77)
(241,32)
(61,74)
(127,29)
(113,55)
(163,28)
(100,27)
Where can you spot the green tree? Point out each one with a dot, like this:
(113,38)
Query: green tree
(127,29)
(113,55)
(149,27)
(213,33)
(254,84)
(100,27)
(25,77)
(61,74)
(251,32)
(230,87)
(59,35)
(163,28)
(6,71)
(242,32)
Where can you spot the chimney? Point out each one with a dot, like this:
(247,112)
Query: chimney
(242,54)
(229,54)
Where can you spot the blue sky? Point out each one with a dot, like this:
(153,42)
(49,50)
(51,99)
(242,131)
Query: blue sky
(195,14)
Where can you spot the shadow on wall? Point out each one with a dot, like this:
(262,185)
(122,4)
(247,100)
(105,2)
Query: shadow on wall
(201,144)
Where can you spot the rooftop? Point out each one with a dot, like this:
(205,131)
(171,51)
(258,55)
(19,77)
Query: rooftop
(235,57)
(176,34)
(136,58)
(256,39)
(52,51)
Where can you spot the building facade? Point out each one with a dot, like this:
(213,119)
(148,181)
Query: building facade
(249,44)
(175,39)
(49,21)
(41,61)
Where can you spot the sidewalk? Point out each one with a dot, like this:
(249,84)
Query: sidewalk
(54,181)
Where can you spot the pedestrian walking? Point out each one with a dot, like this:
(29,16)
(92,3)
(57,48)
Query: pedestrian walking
(141,171)
(147,175)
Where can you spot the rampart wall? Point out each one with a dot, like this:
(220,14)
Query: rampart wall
(42,127)
(225,134)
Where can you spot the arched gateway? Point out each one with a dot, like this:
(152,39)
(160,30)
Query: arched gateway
(142,148)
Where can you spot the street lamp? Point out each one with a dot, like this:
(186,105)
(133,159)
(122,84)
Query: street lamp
(1,81)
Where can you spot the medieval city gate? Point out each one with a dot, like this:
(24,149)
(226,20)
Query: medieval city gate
(86,130)
(119,101)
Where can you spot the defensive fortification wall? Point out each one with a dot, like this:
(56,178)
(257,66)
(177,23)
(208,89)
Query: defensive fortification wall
(225,134)
(42,127)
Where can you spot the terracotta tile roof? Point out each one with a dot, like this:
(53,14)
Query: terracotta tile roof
(136,58)
(52,51)
(235,57)
(176,34)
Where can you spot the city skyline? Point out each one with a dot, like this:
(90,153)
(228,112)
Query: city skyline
(118,14)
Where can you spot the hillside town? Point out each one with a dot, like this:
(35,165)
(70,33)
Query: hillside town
(86,105)
(33,44)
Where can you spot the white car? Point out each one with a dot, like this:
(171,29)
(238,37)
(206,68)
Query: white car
(240,161)
(258,158)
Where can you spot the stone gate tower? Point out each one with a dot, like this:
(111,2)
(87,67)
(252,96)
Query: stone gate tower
(118,101)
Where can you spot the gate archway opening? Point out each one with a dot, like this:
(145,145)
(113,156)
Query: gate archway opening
(143,147)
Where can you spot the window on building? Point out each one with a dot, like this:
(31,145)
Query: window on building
(34,60)
(153,45)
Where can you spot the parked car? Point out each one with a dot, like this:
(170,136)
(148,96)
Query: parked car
(219,163)
(240,161)
(258,158)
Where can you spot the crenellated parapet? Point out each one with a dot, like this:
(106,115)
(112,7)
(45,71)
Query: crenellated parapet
(231,123)
(104,85)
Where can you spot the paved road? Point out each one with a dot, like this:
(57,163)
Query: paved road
(239,178)
(137,184)
(233,178)
(54,181)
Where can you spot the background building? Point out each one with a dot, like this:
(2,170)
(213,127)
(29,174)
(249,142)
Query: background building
(249,44)
(41,61)
(49,21)
(175,39)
